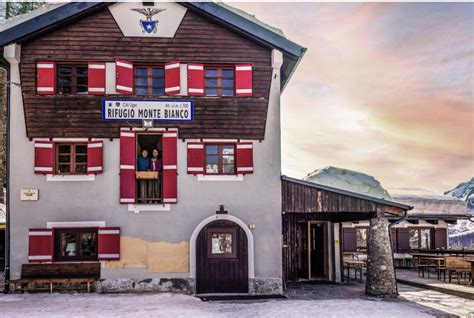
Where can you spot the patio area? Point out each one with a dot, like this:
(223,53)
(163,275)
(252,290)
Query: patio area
(411,277)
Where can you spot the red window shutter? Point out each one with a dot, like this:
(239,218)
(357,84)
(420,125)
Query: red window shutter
(440,238)
(127,167)
(243,80)
(44,157)
(349,240)
(403,240)
(244,158)
(195,157)
(124,77)
(94,157)
(109,243)
(96,78)
(195,79)
(40,245)
(170,168)
(394,239)
(46,78)
(172,78)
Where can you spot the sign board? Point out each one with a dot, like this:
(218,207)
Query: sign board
(163,110)
(29,194)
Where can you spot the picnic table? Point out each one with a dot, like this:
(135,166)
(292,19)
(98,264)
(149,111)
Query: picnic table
(427,261)
(357,265)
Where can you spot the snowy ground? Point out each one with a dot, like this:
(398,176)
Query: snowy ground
(174,305)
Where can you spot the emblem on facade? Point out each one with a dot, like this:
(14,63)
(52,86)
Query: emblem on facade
(148,25)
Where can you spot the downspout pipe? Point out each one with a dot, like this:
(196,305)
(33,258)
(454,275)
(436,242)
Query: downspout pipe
(5,65)
(390,225)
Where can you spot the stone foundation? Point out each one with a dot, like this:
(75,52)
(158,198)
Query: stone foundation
(257,286)
(173,285)
(265,286)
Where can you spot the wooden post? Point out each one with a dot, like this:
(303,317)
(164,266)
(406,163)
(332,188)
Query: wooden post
(380,270)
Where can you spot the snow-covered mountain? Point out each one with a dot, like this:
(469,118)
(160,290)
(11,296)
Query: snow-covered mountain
(462,233)
(464,191)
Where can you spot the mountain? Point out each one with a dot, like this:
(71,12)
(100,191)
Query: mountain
(462,233)
(464,191)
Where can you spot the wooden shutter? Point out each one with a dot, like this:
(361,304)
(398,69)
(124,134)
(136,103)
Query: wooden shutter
(195,158)
(46,78)
(349,240)
(170,168)
(172,78)
(40,245)
(127,167)
(195,79)
(124,77)
(96,78)
(393,238)
(243,80)
(244,158)
(44,157)
(109,243)
(95,157)
(403,240)
(440,238)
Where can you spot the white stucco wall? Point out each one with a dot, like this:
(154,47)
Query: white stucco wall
(255,200)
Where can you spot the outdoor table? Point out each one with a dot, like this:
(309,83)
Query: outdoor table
(356,265)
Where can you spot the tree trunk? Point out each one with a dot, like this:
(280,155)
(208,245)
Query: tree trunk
(380,270)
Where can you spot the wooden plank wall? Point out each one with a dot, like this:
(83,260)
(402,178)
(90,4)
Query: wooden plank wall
(98,38)
(301,203)
(298,198)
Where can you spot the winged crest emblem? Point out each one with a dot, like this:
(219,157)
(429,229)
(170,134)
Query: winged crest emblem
(148,25)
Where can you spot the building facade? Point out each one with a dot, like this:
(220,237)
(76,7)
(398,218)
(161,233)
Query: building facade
(198,84)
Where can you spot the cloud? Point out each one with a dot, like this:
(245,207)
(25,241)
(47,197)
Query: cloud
(385,88)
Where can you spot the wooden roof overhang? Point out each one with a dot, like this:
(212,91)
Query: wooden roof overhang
(320,202)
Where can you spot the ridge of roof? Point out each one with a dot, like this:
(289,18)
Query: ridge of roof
(348,193)
(234,18)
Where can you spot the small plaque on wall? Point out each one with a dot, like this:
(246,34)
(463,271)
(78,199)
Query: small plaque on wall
(29,194)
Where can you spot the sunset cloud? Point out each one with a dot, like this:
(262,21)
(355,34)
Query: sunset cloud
(385,88)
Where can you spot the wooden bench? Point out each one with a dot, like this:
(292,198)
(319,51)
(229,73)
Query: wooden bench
(455,265)
(60,276)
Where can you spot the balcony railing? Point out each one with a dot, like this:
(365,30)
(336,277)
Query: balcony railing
(148,187)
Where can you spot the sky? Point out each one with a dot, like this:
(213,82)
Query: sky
(385,88)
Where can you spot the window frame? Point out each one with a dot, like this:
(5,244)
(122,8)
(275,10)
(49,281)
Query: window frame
(72,153)
(220,155)
(149,77)
(57,244)
(418,229)
(73,76)
(219,78)
(232,232)
(366,228)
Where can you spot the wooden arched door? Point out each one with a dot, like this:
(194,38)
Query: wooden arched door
(221,259)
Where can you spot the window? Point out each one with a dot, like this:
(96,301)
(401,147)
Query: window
(420,239)
(149,166)
(361,235)
(219,81)
(75,244)
(71,158)
(221,243)
(220,159)
(72,79)
(149,81)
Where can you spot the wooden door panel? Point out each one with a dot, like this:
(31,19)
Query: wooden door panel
(226,274)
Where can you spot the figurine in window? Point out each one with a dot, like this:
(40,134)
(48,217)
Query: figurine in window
(143,161)
(143,164)
(156,164)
